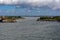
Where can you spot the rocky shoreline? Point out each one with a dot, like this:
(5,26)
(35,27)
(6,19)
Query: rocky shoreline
(9,18)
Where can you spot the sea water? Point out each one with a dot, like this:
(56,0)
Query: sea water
(30,30)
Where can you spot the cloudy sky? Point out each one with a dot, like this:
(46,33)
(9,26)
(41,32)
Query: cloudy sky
(30,7)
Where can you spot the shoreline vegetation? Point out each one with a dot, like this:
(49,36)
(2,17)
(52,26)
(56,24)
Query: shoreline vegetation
(10,18)
(49,18)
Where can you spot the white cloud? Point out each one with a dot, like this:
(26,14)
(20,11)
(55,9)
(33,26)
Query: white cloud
(54,4)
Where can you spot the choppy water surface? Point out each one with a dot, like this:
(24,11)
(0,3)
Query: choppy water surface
(30,30)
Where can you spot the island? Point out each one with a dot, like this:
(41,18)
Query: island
(49,18)
(9,18)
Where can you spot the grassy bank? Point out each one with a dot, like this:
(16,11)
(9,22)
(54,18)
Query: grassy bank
(49,18)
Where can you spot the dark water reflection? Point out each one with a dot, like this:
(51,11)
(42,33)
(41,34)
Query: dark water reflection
(30,30)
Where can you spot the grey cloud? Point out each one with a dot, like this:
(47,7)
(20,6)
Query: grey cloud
(54,4)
